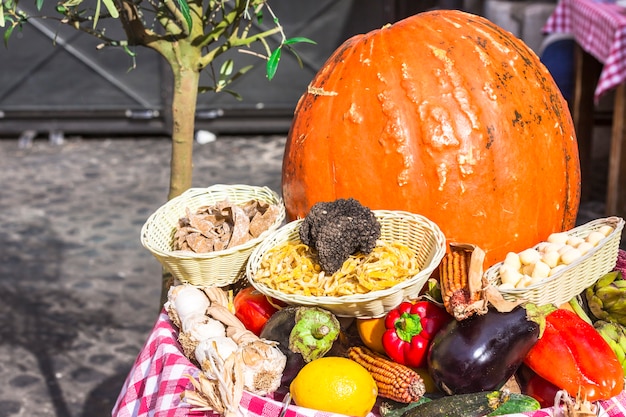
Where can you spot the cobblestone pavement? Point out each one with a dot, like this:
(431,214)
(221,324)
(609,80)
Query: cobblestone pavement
(79,294)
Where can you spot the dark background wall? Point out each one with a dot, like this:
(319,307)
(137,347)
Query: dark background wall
(54,78)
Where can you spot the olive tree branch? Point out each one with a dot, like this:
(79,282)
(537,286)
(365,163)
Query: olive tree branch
(134,28)
(234,43)
(219,28)
(178,16)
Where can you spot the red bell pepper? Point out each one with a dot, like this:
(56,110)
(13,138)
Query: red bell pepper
(253,309)
(572,355)
(409,329)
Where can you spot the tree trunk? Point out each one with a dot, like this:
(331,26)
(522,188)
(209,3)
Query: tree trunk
(183,124)
(184,64)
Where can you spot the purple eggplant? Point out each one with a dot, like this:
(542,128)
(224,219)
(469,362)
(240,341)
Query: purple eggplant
(482,352)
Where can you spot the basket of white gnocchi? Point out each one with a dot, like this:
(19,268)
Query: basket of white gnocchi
(561,267)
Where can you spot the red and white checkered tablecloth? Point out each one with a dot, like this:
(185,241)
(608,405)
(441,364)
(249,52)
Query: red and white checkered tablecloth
(159,375)
(600,29)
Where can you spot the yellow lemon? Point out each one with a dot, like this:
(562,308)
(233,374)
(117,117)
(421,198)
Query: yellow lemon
(336,385)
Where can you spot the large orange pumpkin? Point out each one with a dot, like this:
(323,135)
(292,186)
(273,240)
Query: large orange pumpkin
(444,114)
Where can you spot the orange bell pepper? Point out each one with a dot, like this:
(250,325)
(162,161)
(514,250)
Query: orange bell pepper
(572,355)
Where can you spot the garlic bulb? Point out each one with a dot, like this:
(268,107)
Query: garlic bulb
(201,327)
(263,368)
(186,300)
(207,350)
(231,357)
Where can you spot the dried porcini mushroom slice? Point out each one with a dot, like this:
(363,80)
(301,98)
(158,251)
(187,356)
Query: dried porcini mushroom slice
(241,227)
(199,243)
(204,224)
(263,219)
(465,290)
(223,225)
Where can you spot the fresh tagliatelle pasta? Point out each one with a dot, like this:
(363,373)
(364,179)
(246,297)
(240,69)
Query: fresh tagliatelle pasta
(292,268)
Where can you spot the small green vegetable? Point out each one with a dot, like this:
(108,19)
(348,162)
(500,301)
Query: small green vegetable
(517,403)
(314,332)
(461,405)
(389,408)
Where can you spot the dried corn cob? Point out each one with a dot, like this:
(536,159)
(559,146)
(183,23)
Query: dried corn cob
(395,381)
(460,278)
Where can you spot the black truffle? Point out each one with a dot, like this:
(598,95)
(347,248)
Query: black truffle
(338,229)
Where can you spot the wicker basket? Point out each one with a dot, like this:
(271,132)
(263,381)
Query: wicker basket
(576,277)
(417,232)
(219,268)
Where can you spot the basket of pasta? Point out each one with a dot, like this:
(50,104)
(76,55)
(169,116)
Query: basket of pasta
(407,251)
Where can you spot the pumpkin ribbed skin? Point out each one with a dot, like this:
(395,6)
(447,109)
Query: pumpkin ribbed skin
(444,114)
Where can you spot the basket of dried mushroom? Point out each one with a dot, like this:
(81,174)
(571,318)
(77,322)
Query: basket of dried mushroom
(205,235)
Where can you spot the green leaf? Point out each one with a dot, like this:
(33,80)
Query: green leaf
(241,72)
(272,64)
(184,9)
(111,8)
(130,54)
(39,4)
(299,39)
(205,89)
(300,63)
(234,94)
(96,15)
(225,81)
(226,76)
(291,41)
(72,3)
(227,68)
(7,34)
(128,51)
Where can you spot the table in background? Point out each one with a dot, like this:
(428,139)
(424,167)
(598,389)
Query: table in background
(600,32)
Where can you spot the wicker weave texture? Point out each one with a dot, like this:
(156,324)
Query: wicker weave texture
(417,232)
(573,279)
(219,268)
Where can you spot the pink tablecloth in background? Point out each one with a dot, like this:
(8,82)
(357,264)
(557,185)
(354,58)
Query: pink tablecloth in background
(158,377)
(600,29)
